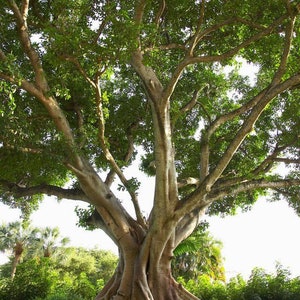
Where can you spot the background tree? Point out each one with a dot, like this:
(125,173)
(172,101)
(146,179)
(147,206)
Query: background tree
(73,273)
(16,238)
(85,83)
(199,254)
(49,240)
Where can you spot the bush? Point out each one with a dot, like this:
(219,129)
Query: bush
(260,286)
(34,279)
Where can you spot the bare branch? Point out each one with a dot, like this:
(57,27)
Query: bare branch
(212,58)
(2,55)
(267,164)
(187,107)
(128,155)
(21,149)
(149,78)
(24,9)
(164,47)
(204,156)
(190,59)
(168,90)
(139,11)
(80,68)
(188,223)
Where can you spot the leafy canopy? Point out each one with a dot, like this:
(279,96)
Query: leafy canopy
(195,49)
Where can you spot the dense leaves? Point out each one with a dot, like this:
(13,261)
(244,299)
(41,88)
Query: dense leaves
(74,274)
(261,286)
(199,254)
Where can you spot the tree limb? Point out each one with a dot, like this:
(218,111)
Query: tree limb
(187,107)
(188,223)
(22,191)
(217,194)
(21,20)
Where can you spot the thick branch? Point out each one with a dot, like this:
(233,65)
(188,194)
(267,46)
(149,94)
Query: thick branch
(218,194)
(187,224)
(188,181)
(150,81)
(23,191)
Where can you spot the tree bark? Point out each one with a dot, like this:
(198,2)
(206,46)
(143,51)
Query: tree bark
(18,250)
(141,276)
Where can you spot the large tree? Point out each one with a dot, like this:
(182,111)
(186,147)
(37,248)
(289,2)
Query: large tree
(85,83)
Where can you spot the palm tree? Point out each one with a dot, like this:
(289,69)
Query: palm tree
(15,238)
(49,240)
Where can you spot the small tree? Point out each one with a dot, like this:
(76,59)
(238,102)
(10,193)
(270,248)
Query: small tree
(49,240)
(16,238)
(84,83)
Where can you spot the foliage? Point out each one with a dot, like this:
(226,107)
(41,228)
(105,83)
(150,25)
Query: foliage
(48,240)
(21,240)
(75,273)
(16,239)
(199,254)
(260,286)
(34,278)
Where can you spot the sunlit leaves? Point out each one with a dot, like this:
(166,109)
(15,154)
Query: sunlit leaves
(81,42)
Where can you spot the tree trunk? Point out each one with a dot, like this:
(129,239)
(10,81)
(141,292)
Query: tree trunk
(142,276)
(18,250)
(15,262)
